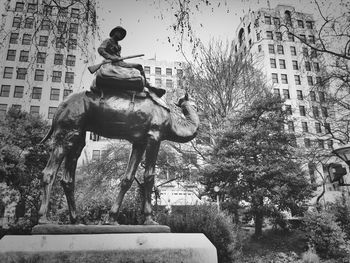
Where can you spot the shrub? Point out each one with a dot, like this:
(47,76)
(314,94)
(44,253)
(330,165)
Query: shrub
(325,235)
(310,256)
(217,227)
(341,210)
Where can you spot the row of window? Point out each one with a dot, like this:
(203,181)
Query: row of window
(36,92)
(300,23)
(315,111)
(297,79)
(295,64)
(300,96)
(158,71)
(40,57)
(34,110)
(61,42)
(278,35)
(308,143)
(305,128)
(47,9)
(21,73)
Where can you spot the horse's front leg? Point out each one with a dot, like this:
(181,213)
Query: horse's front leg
(150,162)
(127,180)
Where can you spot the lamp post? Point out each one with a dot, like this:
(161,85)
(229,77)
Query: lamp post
(343,153)
(216,190)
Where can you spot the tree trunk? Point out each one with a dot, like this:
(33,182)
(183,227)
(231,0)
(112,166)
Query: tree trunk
(258,221)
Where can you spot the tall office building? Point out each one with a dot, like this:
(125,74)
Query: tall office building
(46,47)
(294,70)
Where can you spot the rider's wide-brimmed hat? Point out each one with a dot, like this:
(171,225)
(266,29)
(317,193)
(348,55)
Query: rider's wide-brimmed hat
(120,29)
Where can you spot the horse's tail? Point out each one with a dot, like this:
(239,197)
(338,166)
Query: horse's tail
(47,136)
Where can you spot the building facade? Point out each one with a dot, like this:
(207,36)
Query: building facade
(46,48)
(274,39)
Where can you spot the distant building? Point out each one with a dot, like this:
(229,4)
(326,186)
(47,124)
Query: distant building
(294,70)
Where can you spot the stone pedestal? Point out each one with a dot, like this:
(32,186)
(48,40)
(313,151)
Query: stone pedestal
(119,247)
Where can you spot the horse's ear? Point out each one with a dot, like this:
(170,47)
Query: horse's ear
(186,96)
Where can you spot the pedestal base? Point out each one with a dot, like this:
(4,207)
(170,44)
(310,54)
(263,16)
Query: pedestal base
(121,248)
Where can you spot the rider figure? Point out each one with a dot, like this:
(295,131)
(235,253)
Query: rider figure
(110,49)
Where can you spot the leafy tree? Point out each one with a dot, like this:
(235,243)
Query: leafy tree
(22,159)
(255,163)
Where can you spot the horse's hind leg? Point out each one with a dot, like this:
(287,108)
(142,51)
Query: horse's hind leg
(68,179)
(49,174)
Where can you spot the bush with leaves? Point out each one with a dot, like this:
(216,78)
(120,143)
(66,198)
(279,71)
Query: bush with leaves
(325,235)
(341,210)
(217,227)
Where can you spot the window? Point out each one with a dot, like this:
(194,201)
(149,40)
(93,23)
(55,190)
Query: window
(47,10)
(316,66)
(16,107)
(269,35)
(300,23)
(312,96)
(268,20)
(284,78)
(311,39)
(295,65)
(313,53)
(318,80)
(273,63)
(286,94)
(34,110)
(291,37)
(63,11)
(39,75)
(158,82)
(305,52)
(70,60)
(14,38)
(271,49)
(274,78)
(310,81)
(158,71)
(3,109)
(324,111)
(276,92)
(27,39)
(72,43)
(327,127)
(307,142)
(58,60)
(24,55)
(51,112)
(60,42)
(32,8)
(291,126)
(54,94)
(45,24)
(302,110)
(36,93)
(11,55)
(307,65)
(8,71)
(147,70)
(5,91)
(18,93)
(309,24)
(302,38)
(322,96)
(74,13)
(280,49)
(19,7)
(279,36)
(258,36)
(289,109)
(282,63)
(21,73)
(66,93)
(259,48)
(304,126)
(73,28)
(61,27)
(318,127)
(297,80)
(95,155)
(276,21)
(16,22)
(321,143)
(40,57)
(169,71)
(315,111)
(56,76)
(330,144)
(293,51)
(300,95)
(69,78)
(29,22)
(43,40)
(169,84)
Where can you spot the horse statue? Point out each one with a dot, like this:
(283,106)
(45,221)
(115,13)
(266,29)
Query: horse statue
(128,115)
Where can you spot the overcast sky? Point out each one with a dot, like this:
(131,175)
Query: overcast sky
(148,32)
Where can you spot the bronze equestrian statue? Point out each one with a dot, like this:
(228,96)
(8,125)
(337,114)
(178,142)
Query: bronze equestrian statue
(128,115)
